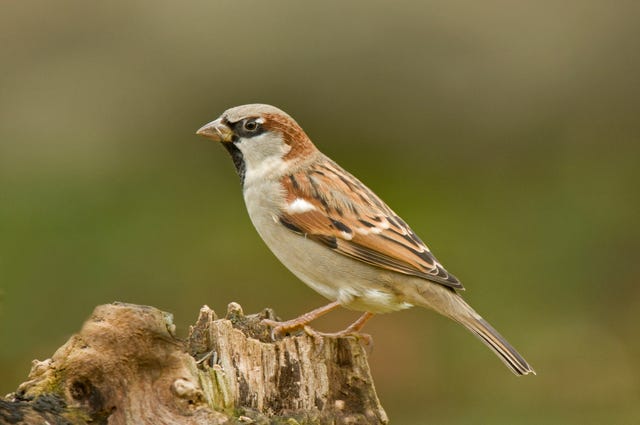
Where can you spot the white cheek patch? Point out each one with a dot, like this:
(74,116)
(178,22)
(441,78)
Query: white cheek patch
(263,157)
(299,206)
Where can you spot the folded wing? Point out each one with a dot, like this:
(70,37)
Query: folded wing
(328,205)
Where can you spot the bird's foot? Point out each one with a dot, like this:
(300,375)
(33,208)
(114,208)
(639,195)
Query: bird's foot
(283,328)
(366,339)
(280,329)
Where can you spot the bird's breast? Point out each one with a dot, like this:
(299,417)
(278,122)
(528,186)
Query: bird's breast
(354,284)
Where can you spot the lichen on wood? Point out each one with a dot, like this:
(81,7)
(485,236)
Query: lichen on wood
(126,366)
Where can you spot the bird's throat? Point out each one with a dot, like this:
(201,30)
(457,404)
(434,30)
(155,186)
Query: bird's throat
(238,160)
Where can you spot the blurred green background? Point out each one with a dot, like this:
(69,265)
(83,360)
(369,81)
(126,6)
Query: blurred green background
(506,133)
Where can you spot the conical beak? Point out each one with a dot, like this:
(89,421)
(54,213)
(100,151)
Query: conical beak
(216,131)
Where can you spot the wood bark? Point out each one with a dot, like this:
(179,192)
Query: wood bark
(126,366)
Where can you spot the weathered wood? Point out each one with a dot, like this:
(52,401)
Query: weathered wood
(126,366)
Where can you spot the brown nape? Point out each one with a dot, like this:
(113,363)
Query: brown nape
(292,134)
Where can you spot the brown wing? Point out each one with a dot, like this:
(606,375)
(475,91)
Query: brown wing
(327,204)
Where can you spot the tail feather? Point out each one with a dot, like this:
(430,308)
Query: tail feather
(492,339)
(448,303)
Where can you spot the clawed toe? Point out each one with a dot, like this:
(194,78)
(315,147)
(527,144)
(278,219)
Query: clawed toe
(280,329)
(366,339)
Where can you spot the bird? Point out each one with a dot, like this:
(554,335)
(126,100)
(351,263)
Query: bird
(334,233)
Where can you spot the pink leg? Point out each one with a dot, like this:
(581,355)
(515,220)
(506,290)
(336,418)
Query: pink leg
(354,328)
(281,328)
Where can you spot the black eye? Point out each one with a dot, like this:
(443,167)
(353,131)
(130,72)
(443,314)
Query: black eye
(250,125)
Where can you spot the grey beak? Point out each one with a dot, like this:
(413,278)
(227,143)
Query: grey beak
(216,131)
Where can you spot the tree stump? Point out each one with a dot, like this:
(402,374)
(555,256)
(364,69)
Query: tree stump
(126,366)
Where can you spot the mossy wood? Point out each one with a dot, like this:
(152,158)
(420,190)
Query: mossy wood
(126,366)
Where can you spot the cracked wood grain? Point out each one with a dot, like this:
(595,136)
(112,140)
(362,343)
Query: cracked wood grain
(126,366)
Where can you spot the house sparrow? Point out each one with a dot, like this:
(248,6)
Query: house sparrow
(334,233)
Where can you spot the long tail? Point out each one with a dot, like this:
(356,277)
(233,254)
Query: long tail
(450,304)
(492,339)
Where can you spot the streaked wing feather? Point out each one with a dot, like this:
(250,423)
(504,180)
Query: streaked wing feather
(334,208)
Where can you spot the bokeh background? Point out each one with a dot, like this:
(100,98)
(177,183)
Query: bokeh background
(506,133)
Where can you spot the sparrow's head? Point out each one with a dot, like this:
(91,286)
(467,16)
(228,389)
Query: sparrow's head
(258,135)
